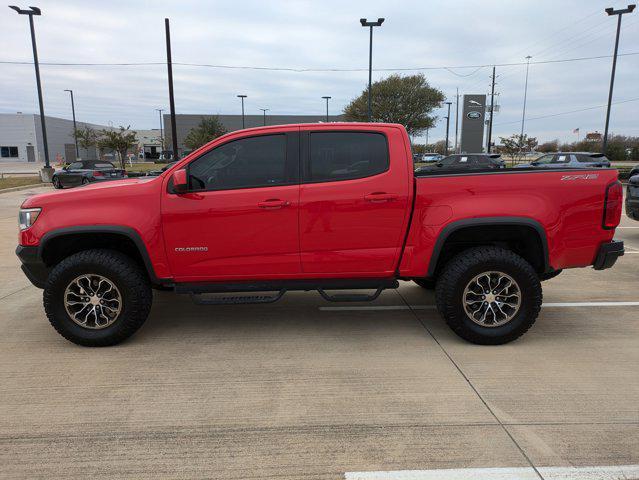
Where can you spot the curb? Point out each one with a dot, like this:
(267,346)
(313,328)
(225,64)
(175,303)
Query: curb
(22,187)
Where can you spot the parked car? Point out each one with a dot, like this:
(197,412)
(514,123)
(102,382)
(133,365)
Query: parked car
(632,197)
(86,171)
(155,173)
(634,171)
(465,161)
(431,157)
(253,212)
(569,160)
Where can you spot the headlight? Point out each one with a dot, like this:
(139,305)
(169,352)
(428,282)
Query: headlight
(27,217)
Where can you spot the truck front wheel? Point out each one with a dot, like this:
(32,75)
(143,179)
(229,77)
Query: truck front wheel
(489,295)
(97,298)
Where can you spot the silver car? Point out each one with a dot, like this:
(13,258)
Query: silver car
(569,160)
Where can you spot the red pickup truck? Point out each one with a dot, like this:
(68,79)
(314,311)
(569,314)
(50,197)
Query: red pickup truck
(328,207)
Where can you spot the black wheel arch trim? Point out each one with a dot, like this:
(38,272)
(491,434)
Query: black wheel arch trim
(483,221)
(128,232)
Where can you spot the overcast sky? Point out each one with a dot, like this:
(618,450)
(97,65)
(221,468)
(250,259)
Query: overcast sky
(323,35)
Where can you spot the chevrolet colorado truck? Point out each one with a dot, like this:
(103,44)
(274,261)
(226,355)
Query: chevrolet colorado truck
(329,207)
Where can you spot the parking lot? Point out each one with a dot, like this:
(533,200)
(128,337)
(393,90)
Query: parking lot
(309,389)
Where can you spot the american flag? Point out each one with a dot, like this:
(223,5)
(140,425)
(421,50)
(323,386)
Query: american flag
(576,130)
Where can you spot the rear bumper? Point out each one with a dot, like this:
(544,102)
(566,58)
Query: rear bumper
(32,265)
(608,255)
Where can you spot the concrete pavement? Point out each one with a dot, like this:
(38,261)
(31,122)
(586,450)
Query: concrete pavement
(291,391)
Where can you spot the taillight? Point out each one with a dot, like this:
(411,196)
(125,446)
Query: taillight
(98,174)
(612,205)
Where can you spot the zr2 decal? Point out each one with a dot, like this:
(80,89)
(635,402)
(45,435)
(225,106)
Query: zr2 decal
(586,176)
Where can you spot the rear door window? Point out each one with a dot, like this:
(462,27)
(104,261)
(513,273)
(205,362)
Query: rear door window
(335,156)
(561,159)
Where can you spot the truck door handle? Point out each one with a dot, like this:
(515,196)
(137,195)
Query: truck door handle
(378,197)
(273,203)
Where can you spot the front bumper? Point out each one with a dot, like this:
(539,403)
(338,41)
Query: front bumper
(32,265)
(608,255)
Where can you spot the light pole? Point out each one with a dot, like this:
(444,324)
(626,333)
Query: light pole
(619,13)
(169,66)
(264,110)
(160,110)
(456,118)
(447,124)
(523,114)
(47,171)
(327,99)
(492,112)
(370,25)
(242,97)
(75,128)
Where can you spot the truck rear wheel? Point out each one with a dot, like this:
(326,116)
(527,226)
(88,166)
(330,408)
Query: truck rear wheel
(489,295)
(97,298)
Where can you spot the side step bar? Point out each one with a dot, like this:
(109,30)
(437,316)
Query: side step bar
(280,287)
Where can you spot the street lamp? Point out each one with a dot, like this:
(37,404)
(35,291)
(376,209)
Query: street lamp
(47,171)
(327,99)
(264,110)
(160,110)
(619,13)
(75,128)
(447,124)
(523,114)
(366,23)
(242,97)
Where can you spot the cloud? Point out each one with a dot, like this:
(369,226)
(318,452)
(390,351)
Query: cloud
(306,34)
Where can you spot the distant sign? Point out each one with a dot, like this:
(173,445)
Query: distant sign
(472,134)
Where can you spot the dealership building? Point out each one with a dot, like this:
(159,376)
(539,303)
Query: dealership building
(186,122)
(21,138)
(21,134)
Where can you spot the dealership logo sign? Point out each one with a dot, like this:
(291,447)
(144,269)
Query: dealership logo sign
(474,102)
(473,115)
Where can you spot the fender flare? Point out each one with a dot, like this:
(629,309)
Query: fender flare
(128,232)
(484,221)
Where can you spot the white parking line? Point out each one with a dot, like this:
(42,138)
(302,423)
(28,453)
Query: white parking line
(432,307)
(612,472)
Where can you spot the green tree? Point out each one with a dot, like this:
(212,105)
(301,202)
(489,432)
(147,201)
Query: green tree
(120,141)
(209,129)
(86,137)
(517,146)
(551,146)
(405,100)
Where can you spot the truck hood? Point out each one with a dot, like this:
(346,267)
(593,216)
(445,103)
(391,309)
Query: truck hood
(94,192)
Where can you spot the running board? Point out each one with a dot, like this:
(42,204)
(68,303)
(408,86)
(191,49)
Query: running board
(280,287)
(349,297)
(236,300)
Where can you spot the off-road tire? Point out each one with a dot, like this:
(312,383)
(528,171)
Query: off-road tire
(461,269)
(85,181)
(127,276)
(56,183)
(426,283)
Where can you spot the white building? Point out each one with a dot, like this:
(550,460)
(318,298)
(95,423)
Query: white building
(21,138)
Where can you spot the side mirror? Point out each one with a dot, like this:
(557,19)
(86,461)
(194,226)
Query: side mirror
(534,164)
(179,181)
(439,164)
